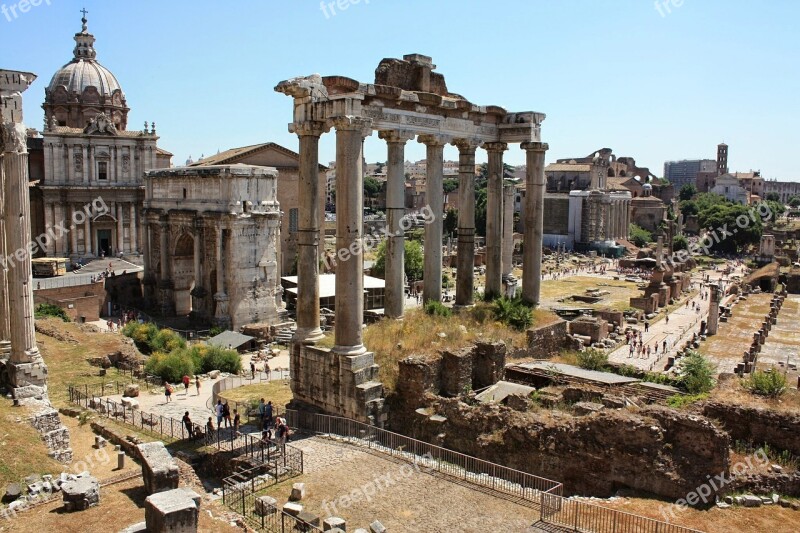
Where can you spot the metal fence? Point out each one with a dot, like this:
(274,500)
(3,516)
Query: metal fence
(581,516)
(240,490)
(432,458)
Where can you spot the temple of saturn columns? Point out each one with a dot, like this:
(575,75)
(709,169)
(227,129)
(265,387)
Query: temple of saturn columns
(407,101)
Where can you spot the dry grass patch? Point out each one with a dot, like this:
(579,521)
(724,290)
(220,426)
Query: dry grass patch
(277,391)
(735,335)
(733,393)
(22,450)
(619,299)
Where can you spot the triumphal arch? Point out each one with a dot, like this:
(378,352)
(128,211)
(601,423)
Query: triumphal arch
(407,101)
(212,243)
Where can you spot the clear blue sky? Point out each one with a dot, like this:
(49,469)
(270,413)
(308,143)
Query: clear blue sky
(620,74)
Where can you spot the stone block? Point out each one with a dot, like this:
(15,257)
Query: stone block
(131,390)
(80,493)
(308,518)
(293,509)
(140,527)
(751,501)
(334,522)
(130,403)
(214,374)
(298,492)
(587,408)
(456,372)
(266,505)
(173,511)
(159,469)
(377,527)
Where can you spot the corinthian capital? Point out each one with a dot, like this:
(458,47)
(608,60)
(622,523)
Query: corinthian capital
(535,146)
(495,147)
(467,146)
(434,139)
(13,138)
(309,128)
(396,136)
(352,123)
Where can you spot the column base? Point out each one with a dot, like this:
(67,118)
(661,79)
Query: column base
(349,350)
(308,336)
(28,380)
(5,349)
(462,307)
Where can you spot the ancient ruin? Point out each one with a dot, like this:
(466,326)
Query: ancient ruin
(407,100)
(212,238)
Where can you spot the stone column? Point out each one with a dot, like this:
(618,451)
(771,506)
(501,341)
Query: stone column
(27,371)
(165,284)
(221,317)
(508,229)
(465,279)
(533,217)
(197,291)
(59,218)
(713,309)
(5,310)
(49,222)
(349,300)
(133,236)
(87,238)
(308,233)
(73,232)
(120,231)
(494,219)
(395,209)
(434,198)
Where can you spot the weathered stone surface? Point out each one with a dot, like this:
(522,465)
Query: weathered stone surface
(751,501)
(131,390)
(173,511)
(547,341)
(377,527)
(753,424)
(80,493)
(334,522)
(293,509)
(298,492)
(587,408)
(140,527)
(266,505)
(159,469)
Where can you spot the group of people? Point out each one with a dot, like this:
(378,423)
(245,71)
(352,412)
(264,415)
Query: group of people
(169,390)
(637,347)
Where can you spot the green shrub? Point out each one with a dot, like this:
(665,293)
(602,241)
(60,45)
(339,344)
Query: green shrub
(639,236)
(172,366)
(166,340)
(513,313)
(592,359)
(216,330)
(216,358)
(432,307)
(46,310)
(628,371)
(679,401)
(771,384)
(142,335)
(696,373)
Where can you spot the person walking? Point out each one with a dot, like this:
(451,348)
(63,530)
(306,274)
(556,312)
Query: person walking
(268,414)
(197,384)
(219,410)
(236,421)
(664,346)
(226,414)
(253,369)
(209,430)
(262,412)
(188,423)
(168,391)
(666,319)
(186,382)
(647,326)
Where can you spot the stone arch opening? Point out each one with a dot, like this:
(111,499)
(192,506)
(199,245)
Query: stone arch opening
(183,274)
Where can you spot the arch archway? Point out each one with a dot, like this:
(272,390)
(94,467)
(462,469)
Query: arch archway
(183,273)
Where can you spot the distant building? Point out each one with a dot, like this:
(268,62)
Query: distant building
(685,172)
(729,186)
(784,189)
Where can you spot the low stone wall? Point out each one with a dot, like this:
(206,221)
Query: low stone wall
(757,425)
(657,450)
(547,341)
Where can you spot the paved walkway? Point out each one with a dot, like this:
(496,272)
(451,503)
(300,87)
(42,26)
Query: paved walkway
(683,323)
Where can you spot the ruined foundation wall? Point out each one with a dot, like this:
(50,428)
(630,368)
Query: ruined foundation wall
(757,425)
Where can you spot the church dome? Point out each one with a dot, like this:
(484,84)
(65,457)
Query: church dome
(83,89)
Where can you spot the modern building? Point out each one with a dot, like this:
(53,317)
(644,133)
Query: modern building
(784,189)
(684,172)
(90,156)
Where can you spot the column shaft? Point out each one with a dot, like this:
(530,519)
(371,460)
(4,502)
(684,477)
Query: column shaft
(434,198)
(73,233)
(533,217)
(395,208)
(349,300)
(494,219)
(508,229)
(5,310)
(465,270)
(120,231)
(308,234)
(133,234)
(87,238)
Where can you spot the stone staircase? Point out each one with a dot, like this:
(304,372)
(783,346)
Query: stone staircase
(284,335)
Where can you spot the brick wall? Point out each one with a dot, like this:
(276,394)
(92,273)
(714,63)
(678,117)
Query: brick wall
(547,341)
(78,301)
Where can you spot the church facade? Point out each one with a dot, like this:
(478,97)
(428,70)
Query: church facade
(92,158)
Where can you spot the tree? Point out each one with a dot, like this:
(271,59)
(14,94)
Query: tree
(412,260)
(697,373)
(639,236)
(450,224)
(794,201)
(680,243)
(773,197)
(379,167)
(450,185)
(372,187)
(687,192)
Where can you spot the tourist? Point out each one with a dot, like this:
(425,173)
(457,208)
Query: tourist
(253,368)
(186,382)
(226,414)
(666,319)
(262,412)
(236,421)
(266,369)
(647,326)
(220,413)
(188,423)
(209,430)
(168,391)
(197,384)
(268,414)
(648,351)
(664,347)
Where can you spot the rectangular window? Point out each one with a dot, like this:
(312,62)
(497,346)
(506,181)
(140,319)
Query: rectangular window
(293,214)
(102,170)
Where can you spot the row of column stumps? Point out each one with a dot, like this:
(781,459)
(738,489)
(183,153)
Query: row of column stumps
(350,134)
